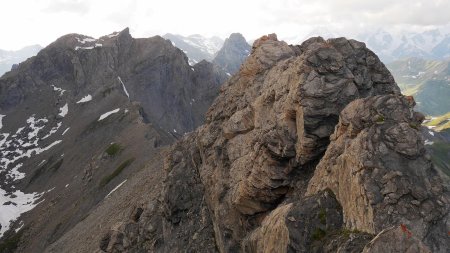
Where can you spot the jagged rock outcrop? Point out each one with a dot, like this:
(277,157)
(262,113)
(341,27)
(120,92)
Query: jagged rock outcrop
(270,178)
(377,167)
(233,53)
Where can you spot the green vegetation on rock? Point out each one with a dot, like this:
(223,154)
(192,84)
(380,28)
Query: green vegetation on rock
(427,80)
(440,123)
(105,180)
(113,149)
(318,234)
(9,245)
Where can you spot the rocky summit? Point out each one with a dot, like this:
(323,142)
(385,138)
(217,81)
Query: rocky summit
(307,148)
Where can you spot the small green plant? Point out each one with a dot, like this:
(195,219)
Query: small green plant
(318,234)
(323,216)
(113,149)
(415,126)
(380,119)
(105,180)
(347,232)
(107,91)
(10,244)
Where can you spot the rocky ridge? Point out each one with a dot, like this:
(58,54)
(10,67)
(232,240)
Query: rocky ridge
(83,116)
(296,138)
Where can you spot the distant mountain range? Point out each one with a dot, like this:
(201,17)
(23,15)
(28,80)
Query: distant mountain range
(196,47)
(9,58)
(391,46)
(427,80)
(228,54)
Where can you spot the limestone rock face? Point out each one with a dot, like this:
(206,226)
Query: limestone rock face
(296,226)
(377,167)
(258,166)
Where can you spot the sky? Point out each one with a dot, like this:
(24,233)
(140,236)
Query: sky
(27,22)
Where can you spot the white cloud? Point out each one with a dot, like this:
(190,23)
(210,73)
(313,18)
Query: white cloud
(42,21)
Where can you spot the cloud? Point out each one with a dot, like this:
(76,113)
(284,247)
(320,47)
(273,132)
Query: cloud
(42,21)
(380,12)
(75,6)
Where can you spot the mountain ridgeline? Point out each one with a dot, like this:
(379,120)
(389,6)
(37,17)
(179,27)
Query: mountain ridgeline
(427,80)
(81,117)
(228,55)
(308,148)
(119,144)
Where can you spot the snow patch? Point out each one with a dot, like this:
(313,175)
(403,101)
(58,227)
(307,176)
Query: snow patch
(430,132)
(123,87)
(21,226)
(83,48)
(85,99)
(16,147)
(105,115)
(40,150)
(115,188)
(112,35)
(65,131)
(14,174)
(1,120)
(428,142)
(61,91)
(64,110)
(52,131)
(12,205)
(192,62)
(42,162)
(83,41)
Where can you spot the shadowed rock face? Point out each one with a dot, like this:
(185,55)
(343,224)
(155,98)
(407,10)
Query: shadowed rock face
(93,112)
(308,148)
(153,71)
(377,167)
(233,53)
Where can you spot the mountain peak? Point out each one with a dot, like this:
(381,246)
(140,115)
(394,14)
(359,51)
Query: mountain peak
(233,53)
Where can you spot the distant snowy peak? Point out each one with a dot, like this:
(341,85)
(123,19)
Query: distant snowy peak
(432,44)
(210,45)
(390,46)
(196,47)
